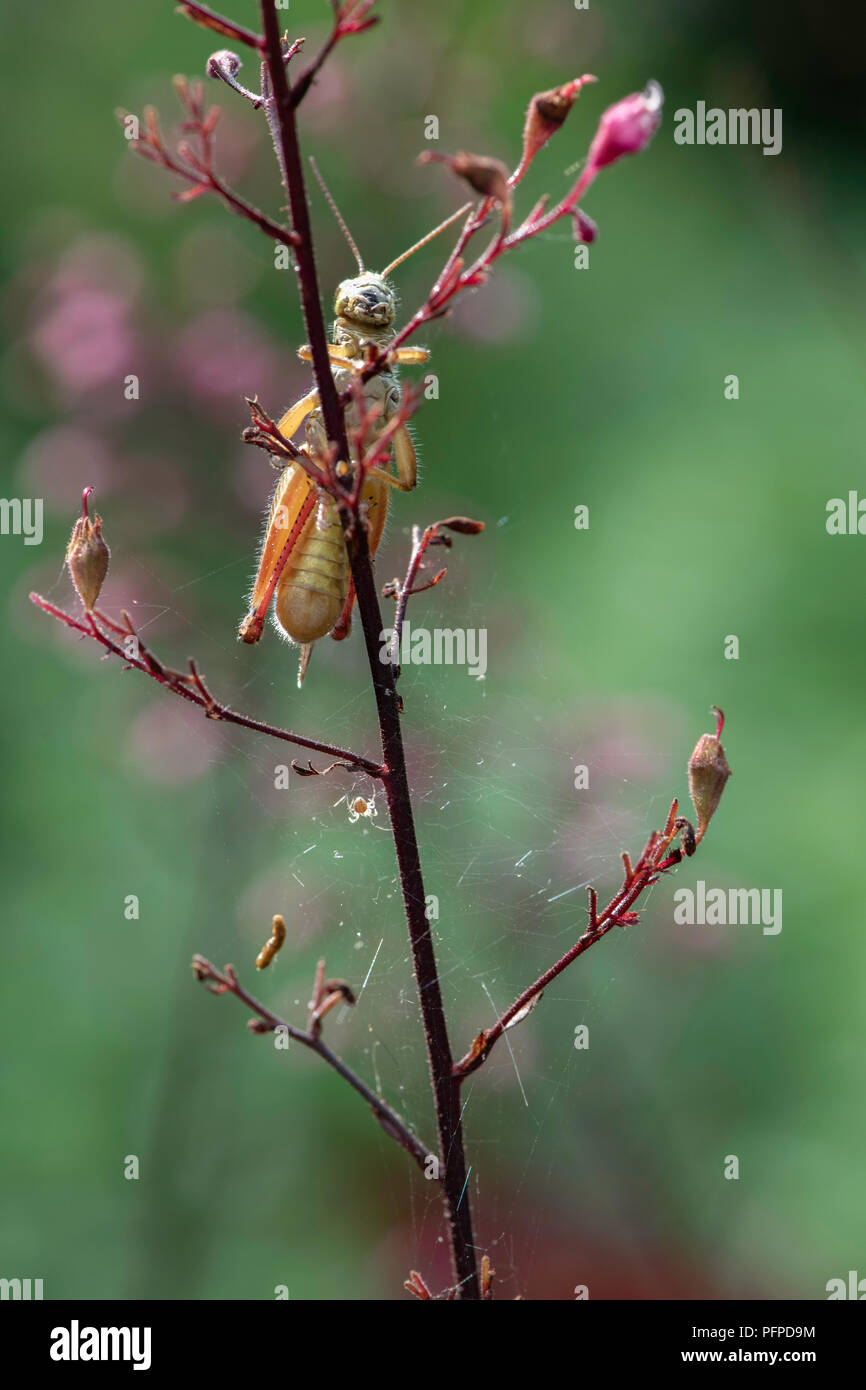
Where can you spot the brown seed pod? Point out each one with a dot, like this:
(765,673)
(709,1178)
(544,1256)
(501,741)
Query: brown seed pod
(687,830)
(547,112)
(87,555)
(341,987)
(273,944)
(708,773)
(486,176)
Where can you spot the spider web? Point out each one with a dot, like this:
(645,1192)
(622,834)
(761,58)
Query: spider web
(508,848)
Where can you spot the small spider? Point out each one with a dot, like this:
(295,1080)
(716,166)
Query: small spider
(361,806)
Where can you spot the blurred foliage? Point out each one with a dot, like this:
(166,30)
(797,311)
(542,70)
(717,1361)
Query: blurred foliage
(557,387)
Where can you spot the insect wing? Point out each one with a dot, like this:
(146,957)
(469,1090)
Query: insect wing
(292,508)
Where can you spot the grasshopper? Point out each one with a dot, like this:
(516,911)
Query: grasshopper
(304,565)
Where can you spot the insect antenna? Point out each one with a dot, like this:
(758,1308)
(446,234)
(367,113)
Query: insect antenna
(424,240)
(336,211)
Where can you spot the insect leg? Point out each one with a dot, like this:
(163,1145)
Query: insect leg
(298,508)
(335,354)
(410,356)
(343,625)
(406,461)
(297,414)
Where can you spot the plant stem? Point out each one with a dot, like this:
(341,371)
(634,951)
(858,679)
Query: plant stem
(191,686)
(389,1119)
(654,861)
(280,108)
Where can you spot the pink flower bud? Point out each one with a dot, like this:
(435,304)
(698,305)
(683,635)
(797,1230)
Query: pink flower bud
(626,127)
(223,61)
(585,229)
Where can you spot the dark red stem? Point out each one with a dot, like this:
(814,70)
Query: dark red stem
(446,1088)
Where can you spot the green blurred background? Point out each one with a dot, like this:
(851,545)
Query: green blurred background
(557,387)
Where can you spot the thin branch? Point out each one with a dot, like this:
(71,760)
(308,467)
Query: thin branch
(218,24)
(420,544)
(281,118)
(280,108)
(353,17)
(625,128)
(657,859)
(196,168)
(190,686)
(227,983)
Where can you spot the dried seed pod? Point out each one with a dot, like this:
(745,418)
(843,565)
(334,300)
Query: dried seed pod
(87,555)
(341,987)
(687,831)
(487,176)
(547,112)
(708,773)
(464,525)
(273,944)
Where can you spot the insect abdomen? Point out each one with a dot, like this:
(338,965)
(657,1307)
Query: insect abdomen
(315,583)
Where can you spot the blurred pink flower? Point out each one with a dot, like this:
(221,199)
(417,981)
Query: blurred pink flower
(84,339)
(82,330)
(223,356)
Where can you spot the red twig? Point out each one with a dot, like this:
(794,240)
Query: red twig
(223,982)
(657,859)
(352,17)
(625,128)
(196,166)
(191,686)
(420,544)
(218,24)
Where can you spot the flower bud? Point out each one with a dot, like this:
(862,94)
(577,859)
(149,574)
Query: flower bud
(585,229)
(223,61)
(464,525)
(87,555)
(547,112)
(708,773)
(626,127)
